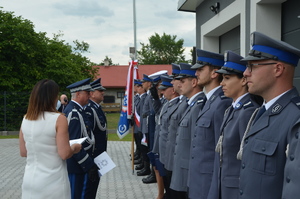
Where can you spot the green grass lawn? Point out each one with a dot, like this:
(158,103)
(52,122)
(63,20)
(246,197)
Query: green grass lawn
(112,123)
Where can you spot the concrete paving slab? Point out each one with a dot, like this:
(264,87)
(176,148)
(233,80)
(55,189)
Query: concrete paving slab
(119,183)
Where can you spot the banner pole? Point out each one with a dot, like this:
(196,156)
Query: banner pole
(132,150)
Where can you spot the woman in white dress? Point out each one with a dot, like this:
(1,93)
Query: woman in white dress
(44,140)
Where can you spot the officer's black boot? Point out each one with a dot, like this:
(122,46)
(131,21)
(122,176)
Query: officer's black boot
(139,161)
(150,178)
(140,166)
(146,170)
(137,156)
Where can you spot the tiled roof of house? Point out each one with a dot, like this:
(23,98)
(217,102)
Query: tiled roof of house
(115,76)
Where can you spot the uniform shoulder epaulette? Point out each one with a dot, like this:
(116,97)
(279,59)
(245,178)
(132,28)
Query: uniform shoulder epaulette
(248,104)
(222,96)
(296,101)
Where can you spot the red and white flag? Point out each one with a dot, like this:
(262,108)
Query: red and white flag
(127,107)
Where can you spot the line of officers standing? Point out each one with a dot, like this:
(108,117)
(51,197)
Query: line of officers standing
(224,128)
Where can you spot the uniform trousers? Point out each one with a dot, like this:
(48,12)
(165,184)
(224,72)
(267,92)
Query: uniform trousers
(167,181)
(178,194)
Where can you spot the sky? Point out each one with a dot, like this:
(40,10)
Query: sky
(107,25)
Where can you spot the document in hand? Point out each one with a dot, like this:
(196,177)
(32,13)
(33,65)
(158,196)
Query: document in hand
(104,163)
(77,141)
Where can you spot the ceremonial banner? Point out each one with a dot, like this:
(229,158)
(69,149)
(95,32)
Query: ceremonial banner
(127,107)
(136,115)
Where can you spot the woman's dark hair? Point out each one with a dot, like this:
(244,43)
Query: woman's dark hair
(43,97)
(258,99)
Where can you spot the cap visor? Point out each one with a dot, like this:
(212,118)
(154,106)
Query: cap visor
(226,72)
(252,58)
(163,87)
(197,66)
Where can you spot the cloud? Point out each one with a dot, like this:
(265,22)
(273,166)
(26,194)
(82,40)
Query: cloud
(83,8)
(106,25)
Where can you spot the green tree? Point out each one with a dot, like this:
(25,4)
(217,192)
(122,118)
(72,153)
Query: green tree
(161,50)
(26,57)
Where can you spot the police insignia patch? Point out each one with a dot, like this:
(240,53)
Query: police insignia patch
(276,108)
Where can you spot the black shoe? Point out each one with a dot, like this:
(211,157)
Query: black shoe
(145,171)
(139,166)
(149,179)
(139,161)
(136,157)
(136,153)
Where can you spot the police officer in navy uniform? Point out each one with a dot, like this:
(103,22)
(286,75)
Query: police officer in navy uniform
(155,100)
(81,166)
(209,120)
(97,118)
(196,100)
(142,96)
(137,135)
(234,124)
(145,112)
(270,72)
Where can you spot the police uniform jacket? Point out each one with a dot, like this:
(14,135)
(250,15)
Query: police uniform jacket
(81,162)
(175,114)
(232,130)
(137,100)
(140,111)
(291,179)
(204,139)
(183,144)
(100,134)
(145,110)
(155,109)
(264,152)
(163,133)
(160,111)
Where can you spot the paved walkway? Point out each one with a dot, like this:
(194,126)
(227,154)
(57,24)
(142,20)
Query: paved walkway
(119,183)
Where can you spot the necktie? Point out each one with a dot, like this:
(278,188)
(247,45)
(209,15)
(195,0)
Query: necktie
(260,112)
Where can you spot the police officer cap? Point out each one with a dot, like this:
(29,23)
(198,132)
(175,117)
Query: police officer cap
(137,82)
(186,70)
(208,58)
(96,85)
(233,64)
(146,78)
(156,76)
(83,85)
(175,70)
(165,82)
(264,47)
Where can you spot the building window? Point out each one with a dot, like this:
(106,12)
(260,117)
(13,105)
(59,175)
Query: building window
(109,99)
(120,94)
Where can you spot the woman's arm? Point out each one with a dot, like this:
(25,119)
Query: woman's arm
(65,151)
(23,150)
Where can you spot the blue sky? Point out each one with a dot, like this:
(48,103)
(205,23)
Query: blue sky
(105,24)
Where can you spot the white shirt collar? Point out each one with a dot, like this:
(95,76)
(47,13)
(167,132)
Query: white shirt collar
(272,101)
(193,97)
(209,94)
(238,99)
(77,103)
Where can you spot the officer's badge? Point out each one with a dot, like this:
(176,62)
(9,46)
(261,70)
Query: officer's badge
(238,105)
(276,108)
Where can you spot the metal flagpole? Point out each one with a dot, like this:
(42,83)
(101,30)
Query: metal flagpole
(134,29)
(133,59)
